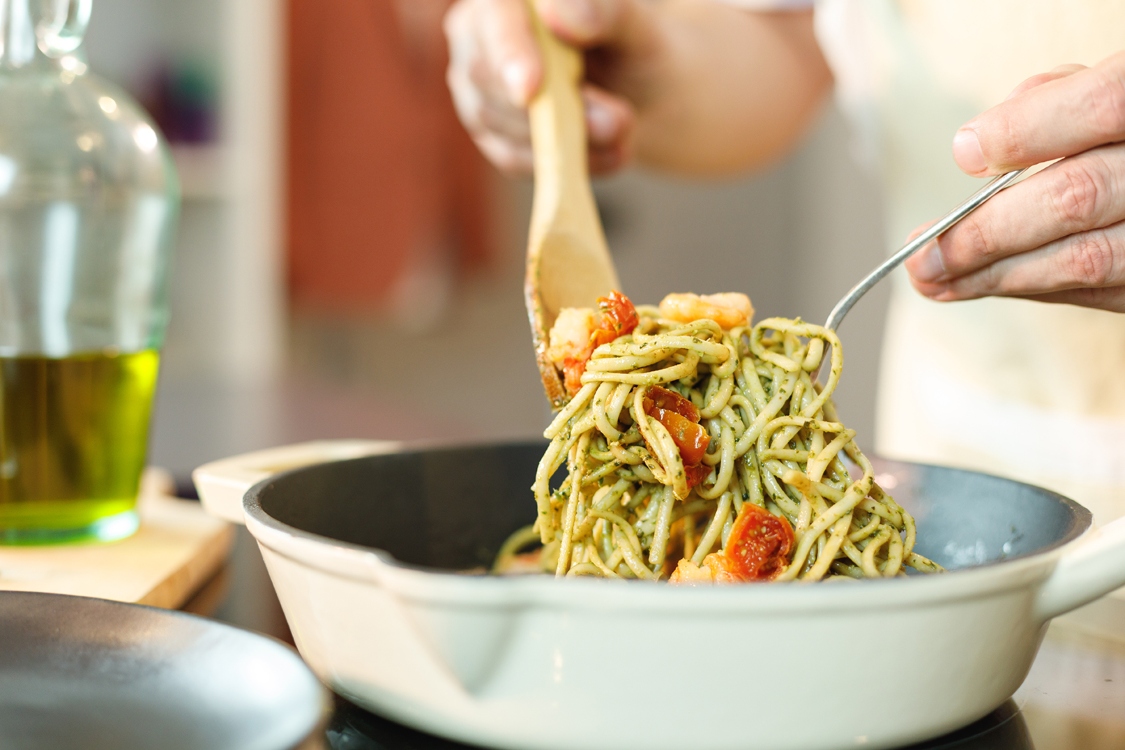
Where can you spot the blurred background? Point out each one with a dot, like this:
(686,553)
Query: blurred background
(348,265)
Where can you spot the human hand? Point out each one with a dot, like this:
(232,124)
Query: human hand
(1058,236)
(495,69)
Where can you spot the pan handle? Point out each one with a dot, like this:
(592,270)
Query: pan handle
(221,484)
(1087,570)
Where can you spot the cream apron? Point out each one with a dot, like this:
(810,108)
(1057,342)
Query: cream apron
(1012,387)
(1022,389)
(1027,390)
(1017,388)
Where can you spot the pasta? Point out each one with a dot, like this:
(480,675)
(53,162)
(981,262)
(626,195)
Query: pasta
(700,448)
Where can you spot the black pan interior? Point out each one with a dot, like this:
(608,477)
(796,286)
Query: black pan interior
(440,508)
(89,673)
(452,508)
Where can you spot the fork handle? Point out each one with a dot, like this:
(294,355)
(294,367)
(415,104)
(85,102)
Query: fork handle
(942,225)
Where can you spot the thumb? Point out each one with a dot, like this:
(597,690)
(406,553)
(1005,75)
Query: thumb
(586,23)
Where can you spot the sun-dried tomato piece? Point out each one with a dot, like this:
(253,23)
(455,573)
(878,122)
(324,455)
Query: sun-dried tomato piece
(759,543)
(616,317)
(680,417)
(689,437)
(662,398)
(696,473)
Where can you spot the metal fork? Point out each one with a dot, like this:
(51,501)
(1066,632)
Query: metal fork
(954,216)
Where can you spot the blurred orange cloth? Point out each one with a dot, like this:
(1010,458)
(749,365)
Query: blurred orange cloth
(380,171)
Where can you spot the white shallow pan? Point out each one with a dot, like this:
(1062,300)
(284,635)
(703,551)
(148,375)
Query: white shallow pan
(364,543)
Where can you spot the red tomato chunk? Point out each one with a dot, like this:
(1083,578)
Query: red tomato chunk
(759,544)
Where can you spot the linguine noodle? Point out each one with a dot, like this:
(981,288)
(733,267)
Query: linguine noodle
(627,507)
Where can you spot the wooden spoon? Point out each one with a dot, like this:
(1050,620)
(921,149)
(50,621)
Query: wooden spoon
(568,263)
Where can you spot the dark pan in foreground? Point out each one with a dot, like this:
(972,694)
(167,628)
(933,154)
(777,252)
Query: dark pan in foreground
(88,673)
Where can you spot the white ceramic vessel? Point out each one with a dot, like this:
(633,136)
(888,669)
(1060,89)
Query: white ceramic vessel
(532,662)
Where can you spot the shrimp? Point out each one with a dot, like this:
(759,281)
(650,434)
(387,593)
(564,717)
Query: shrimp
(756,550)
(579,330)
(729,309)
(570,335)
(715,569)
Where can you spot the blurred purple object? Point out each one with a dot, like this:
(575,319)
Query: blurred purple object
(182,99)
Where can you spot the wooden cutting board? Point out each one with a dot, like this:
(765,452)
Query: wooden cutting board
(177,549)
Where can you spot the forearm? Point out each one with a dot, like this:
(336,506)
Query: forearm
(737,89)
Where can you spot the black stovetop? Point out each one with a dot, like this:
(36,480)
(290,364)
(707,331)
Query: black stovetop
(353,728)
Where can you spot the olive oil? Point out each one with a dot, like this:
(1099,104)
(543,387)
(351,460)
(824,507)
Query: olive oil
(73,440)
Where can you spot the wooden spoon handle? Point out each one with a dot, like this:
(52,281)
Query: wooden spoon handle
(558,138)
(568,262)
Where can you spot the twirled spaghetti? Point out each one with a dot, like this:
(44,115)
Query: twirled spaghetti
(708,453)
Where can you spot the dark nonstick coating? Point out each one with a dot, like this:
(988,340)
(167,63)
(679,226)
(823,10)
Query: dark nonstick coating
(87,673)
(452,508)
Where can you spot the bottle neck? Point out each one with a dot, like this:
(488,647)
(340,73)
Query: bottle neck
(17,35)
(28,40)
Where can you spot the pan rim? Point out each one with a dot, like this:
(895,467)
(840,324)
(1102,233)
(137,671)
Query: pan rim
(426,583)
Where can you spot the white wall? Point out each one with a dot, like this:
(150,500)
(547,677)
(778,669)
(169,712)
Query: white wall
(227,295)
(225,348)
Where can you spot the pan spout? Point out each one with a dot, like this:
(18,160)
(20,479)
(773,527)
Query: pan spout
(468,642)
